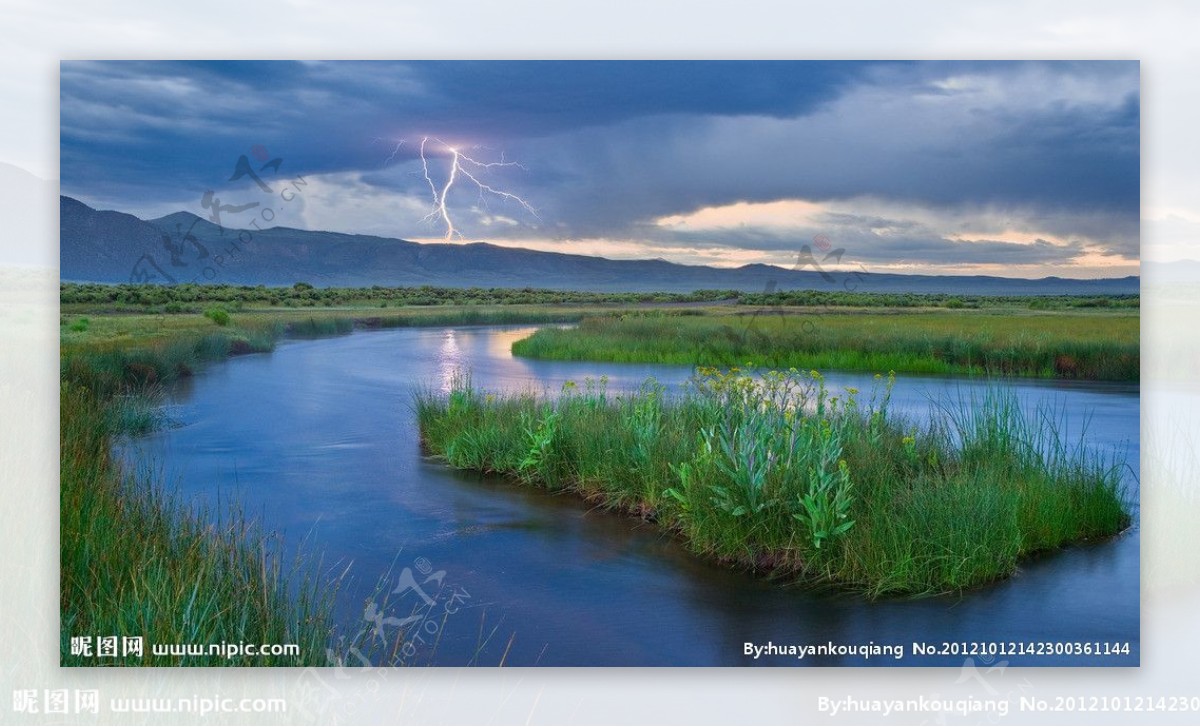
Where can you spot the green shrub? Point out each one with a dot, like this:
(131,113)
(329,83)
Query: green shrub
(220,316)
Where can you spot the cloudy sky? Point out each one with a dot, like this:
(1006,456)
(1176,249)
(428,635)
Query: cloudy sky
(1015,169)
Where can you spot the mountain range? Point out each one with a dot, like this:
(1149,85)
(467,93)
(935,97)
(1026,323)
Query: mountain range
(115,247)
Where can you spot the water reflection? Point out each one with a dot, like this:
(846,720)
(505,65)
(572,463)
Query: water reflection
(450,361)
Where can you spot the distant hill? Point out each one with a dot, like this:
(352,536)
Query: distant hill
(114,247)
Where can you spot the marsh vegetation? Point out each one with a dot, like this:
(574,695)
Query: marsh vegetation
(1003,342)
(775,472)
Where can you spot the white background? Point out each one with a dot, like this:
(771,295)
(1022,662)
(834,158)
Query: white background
(34,37)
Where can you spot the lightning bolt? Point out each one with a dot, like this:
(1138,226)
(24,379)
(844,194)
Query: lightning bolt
(394,153)
(466,167)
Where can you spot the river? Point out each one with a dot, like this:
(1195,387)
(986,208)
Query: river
(318,442)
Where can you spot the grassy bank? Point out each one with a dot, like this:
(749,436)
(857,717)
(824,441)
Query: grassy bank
(135,562)
(1095,345)
(85,328)
(780,475)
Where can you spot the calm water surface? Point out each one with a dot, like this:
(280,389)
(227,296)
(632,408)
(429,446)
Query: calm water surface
(318,441)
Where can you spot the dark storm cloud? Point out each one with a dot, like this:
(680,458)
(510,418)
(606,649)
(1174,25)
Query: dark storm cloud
(544,97)
(135,123)
(610,147)
(1062,157)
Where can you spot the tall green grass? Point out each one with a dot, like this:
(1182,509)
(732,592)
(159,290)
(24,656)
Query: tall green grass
(1096,346)
(135,562)
(113,370)
(781,475)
